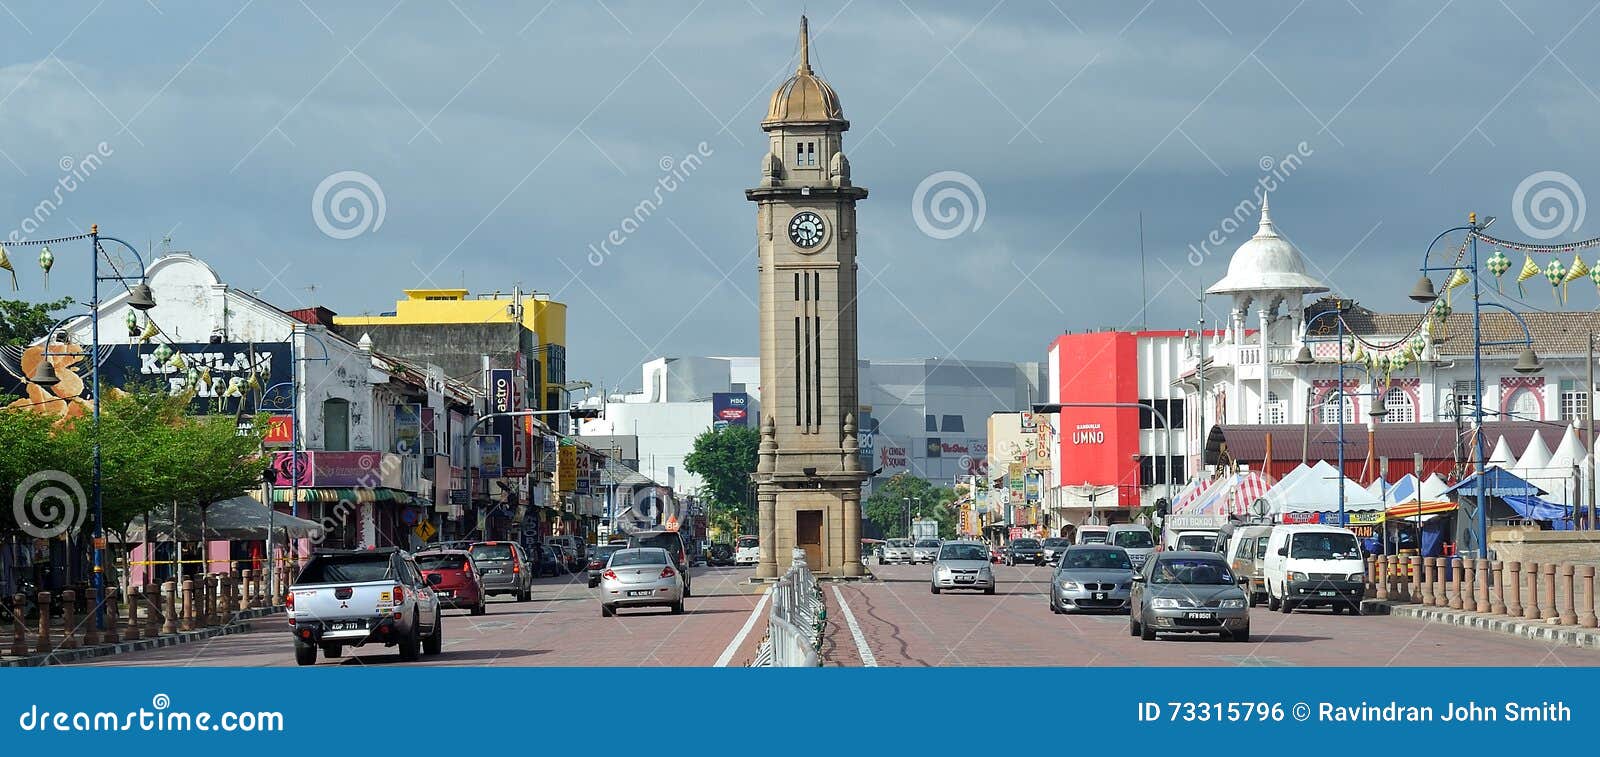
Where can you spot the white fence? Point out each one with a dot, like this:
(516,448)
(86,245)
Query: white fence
(796,620)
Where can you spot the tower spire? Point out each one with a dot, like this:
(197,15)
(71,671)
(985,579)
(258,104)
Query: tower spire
(1266,229)
(805,47)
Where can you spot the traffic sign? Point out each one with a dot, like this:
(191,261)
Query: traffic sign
(425,530)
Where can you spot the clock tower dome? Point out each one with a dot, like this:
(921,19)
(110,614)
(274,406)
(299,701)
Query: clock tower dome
(809,478)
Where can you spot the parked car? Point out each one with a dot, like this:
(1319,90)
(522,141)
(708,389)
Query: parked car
(641,577)
(1092,577)
(1188,592)
(549,561)
(454,579)
(897,551)
(1314,565)
(1024,551)
(352,598)
(672,542)
(747,550)
(502,565)
(1091,535)
(1053,547)
(925,550)
(1134,538)
(597,562)
(1247,551)
(962,565)
(720,555)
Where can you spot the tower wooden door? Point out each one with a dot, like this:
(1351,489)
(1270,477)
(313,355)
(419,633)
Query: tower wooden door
(808,536)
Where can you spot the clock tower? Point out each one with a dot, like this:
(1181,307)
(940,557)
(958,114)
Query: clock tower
(809,478)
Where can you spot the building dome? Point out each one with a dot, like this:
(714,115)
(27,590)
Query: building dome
(805,97)
(1266,262)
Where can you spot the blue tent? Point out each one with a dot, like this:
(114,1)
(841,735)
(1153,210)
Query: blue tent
(1498,482)
(1534,508)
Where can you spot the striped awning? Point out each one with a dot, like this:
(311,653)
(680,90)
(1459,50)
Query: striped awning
(341,494)
(1414,509)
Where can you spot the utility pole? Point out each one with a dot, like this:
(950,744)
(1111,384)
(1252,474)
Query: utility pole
(1587,518)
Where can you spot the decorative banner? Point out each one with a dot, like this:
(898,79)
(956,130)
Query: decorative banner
(1554,273)
(1498,264)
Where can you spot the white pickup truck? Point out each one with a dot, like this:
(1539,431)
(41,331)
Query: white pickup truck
(351,598)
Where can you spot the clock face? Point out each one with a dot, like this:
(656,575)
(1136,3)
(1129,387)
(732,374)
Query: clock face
(806,230)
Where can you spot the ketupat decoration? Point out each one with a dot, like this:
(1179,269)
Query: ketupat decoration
(1458,277)
(1529,270)
(149,332)
(1594,274)
(161,353)
(1554,273)
(133,323)
(5,262)
(1577,271)
(46,261)
(1498,264)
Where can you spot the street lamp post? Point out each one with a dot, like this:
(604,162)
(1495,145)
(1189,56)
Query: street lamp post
(1305,358)
(139,298)
(1527,362)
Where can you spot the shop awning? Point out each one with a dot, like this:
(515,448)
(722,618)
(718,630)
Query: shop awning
(341,494)
(1414,510)
(240,518)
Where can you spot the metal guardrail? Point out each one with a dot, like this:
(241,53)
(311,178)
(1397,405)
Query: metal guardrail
(795,621)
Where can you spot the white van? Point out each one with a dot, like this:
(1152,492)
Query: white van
(1313,566)
(1092,534)
(1134,538)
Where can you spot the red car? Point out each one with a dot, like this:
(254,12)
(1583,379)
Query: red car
(454,579)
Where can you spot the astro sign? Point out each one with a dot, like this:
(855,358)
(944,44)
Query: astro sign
(1088,433)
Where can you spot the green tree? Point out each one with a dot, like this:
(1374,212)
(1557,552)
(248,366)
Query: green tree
(22,322)
(886,508)
(724,459)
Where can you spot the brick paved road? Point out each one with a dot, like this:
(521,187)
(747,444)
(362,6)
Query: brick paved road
(561,626)
(906,625)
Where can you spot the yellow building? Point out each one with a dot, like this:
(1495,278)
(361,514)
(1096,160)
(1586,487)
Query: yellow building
(454,328)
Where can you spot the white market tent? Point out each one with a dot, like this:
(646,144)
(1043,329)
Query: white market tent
(1502,454)
(1317,490)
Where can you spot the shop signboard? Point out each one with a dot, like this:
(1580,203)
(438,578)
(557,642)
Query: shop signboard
(1031,481)
(1014,475)
(567,467)
(228,378)
(280,431)
(489,457)
(499,387)
(408,429)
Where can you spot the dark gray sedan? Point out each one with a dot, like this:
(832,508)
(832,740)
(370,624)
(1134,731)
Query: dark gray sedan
(1188,592)
(1091,577)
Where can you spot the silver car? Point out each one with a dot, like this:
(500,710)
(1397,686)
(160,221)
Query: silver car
(640,577)
(1091,577)
(962,565)
(896,550)
(927,550)
(1189,592)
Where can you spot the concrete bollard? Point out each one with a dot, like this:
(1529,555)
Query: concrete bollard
(1468,585)
(91,627)
(42,643)
(1481,585)
(1397,587)
(244,590)
(113,632)
(1530,606)
(155,609)
(1380,577)
(1567,613)
(169,607)
(1586,616)
(69,620)
(1441,583)
(1414,581)
(188,610)
(1451,589)
(1514,588)
(1430,576)
(1547,607)
(1497,583)
(134,596)
(19,626)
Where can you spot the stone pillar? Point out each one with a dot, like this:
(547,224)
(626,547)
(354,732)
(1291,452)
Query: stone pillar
(852,534)
(1411,577)
(1497,599)
(1380,577)
(113,632)
(767,499)
(187,624)
(19,626)
(133,595)
(244,590)
(1568,614)
(1430,579)
(1455,583)
(1530,610)
(1468,584)
(1514,588)
(91,633)
(1547,604)
(42,643)
(1481,585)
(1372,576)
(69,620)
(1586,615)
(1441,587)
(170,607)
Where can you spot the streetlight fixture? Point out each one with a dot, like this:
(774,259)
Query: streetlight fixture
(1304,357)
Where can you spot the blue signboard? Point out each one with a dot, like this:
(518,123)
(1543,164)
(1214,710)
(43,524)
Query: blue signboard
(730,409)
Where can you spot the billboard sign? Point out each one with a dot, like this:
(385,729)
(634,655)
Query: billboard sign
(408,429)
(730,409)
(489,457)
(280,431)
(221,374)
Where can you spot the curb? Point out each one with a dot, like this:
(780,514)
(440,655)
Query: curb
(239,624)
(1584,638)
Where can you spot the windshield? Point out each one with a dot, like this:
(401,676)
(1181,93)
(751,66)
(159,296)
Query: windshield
(441,562)
(1198,572)
(491,552)
(899,542)
(666,540)
(603,553)
(964,552)
(1324,546)
(1137,539)
(639,557)
(1197,542)
(1261,547)
(1056,541)
(1093,537)
(329,569)
(1025,543)
(928,543)
(749,542)
(1096,559)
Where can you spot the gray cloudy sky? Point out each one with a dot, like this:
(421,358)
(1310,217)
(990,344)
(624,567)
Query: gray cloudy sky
(509,137)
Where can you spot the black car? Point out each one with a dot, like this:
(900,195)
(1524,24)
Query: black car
(550,561)
(1024,550)
(720,555)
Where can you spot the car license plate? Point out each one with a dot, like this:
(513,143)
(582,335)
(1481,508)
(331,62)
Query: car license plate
(641,592)
(1199,615)
(965,579)
(1099,595)
(347,625)
(1327,593)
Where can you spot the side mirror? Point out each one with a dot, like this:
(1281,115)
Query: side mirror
(1241,580)
(1283,551)
(434,579)
(1138,578)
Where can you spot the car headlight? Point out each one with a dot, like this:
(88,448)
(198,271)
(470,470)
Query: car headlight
(944,570)
(1358,577)
(1161,603)
(1297,576)
(984,569)
(1232,604)
(1069,585)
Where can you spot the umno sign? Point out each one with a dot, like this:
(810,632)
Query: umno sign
(1088,433)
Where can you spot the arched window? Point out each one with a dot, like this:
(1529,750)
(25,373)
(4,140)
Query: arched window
(1524,406)
(1332,402)
(1401,408)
